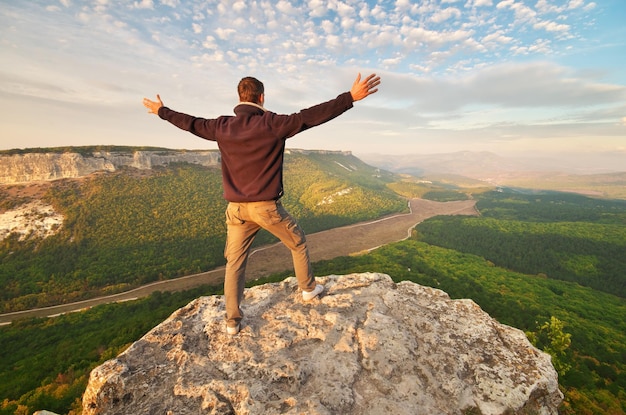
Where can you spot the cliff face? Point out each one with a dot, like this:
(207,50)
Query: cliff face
(368,346)
(21,168)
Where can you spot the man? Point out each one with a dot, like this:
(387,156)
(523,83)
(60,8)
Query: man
(252,145)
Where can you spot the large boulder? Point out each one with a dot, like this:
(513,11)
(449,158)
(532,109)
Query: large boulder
(368,346)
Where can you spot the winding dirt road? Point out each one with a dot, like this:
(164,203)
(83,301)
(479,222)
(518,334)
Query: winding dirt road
(275,258)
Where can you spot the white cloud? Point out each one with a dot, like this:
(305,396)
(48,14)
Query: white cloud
(574,4)
(209,43)
(317,8)
(445,14)
(287,8)
(589,6)
(551,26)
(344,10)
(403,6)
(540,46)
(505,3)
(497,37)
(419,37)
(419,68)
(533,85)
(523,12)
(391,62)
(144,4)
(240,23)
(472,44)
(333,42)
(328,26)
(544,7)
(540,84)
(238,6)
(224,33)
(378,13)
(348,23)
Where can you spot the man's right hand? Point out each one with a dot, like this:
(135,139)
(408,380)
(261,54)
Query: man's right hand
(361,89)
(153,106)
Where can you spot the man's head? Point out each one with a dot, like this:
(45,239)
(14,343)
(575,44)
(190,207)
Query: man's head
(251,90)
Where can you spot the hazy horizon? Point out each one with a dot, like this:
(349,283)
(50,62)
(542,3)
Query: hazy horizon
(573,163)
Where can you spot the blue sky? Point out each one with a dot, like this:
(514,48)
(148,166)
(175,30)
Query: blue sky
(516,77)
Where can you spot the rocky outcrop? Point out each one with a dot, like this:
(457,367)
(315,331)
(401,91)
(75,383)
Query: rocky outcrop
(28,167)
(302,151)
(368,346)
(31,219)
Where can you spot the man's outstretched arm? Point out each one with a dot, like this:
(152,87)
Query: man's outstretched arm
(201,127)
(361,89)
(324,112)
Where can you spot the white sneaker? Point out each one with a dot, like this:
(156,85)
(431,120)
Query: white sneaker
(309,295)
(233,330)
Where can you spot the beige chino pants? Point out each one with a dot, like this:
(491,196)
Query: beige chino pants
(243,222)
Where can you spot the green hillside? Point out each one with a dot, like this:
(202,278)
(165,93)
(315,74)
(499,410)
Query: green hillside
(132,227)
(556,235)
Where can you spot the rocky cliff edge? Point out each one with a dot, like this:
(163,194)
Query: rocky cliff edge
(368,346)
(29,167)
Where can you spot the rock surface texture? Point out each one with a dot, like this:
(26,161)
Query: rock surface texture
(23,168)
(368,346)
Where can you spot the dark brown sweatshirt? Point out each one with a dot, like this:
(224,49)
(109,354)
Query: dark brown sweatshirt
(252,143)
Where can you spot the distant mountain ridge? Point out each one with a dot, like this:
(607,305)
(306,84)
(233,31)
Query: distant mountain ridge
(484,165)
(52,165)
(31,165)
(539,173)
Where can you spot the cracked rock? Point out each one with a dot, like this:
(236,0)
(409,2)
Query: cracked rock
(368,346)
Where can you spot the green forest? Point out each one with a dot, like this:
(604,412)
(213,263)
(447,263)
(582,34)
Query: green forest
(558,236)
(547,263)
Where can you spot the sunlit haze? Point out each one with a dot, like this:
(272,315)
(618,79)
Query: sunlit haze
(516,77)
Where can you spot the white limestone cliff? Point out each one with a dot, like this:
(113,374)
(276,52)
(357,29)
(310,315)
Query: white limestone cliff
(29,167)
(368,346)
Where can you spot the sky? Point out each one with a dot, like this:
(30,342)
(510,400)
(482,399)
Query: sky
(514,77)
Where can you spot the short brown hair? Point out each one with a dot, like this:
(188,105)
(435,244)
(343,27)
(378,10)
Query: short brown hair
(250,89)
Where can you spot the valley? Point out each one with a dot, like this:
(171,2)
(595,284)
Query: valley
(271,259)
(143,242)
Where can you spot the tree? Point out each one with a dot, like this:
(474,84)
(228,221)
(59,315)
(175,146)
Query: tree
(553,340)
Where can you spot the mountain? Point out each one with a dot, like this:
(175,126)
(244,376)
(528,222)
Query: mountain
(526,172)
(367,346)
(484,164)
(53,164)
